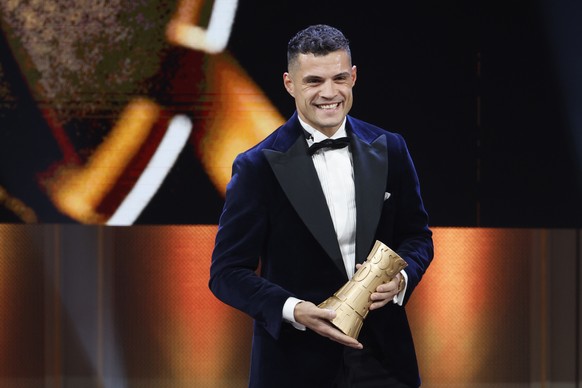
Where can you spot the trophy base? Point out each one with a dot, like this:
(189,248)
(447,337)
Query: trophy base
(346,320)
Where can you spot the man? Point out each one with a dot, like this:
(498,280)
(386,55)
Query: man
(295,227)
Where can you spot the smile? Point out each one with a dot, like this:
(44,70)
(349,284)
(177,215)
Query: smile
(328,106)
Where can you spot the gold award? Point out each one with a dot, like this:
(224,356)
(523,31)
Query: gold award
(352,302)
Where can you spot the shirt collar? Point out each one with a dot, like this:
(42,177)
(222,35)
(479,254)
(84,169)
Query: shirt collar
(315,136)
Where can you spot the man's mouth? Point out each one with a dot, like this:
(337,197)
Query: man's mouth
(328,106)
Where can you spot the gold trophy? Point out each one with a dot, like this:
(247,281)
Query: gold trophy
(352,302)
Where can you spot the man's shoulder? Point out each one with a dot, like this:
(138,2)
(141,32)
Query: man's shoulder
(370,132)
(279,140)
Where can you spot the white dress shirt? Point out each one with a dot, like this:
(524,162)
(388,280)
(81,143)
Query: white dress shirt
(336,174)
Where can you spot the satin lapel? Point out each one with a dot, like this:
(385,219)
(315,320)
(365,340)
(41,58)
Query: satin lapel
(297,176)
(370,174)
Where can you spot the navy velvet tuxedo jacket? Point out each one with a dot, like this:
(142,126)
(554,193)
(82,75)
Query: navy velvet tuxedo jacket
(276,239)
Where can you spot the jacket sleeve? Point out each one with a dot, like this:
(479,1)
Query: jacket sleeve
(242,232)
(413,238)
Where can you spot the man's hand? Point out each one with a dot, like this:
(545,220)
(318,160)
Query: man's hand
(319,320)
(385,293)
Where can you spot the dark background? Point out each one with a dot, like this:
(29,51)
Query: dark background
(475,88)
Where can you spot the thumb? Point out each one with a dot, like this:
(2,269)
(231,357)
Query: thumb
(328,314)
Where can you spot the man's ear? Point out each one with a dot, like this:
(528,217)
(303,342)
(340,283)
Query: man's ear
(288,82)
(354,74)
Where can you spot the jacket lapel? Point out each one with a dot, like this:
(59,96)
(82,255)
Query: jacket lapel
(370,157)
(297,176)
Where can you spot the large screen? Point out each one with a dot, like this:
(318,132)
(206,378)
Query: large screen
(131,112)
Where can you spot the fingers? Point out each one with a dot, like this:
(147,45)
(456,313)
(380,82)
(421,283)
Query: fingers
(390,287)
(336,335)
(325,328)
(384,293)
(319,320)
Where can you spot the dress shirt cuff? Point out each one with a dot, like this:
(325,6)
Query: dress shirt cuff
(288,312)
(399,298)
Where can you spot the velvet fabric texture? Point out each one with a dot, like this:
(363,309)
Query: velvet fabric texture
(276,240)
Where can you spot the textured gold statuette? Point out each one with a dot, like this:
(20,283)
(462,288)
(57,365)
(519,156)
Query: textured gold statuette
(352,302)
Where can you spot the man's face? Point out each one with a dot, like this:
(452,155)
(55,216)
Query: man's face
(322,88)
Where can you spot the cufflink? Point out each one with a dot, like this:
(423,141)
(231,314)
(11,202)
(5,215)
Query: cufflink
(386,195)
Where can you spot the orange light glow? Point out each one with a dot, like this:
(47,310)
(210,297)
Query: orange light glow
(78,190)
(241,116)
(460,308)
(199,339)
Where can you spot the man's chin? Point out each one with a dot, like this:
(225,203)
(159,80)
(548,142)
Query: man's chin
(329,125)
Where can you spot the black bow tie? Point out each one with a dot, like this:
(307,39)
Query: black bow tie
(329,143)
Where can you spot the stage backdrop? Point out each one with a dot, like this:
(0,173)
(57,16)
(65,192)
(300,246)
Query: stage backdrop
(97,306)
(119,122)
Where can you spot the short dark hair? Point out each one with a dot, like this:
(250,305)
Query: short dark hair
(319,39)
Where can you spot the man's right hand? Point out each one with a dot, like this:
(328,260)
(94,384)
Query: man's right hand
(319,320)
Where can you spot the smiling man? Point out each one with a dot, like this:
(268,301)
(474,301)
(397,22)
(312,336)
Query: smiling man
(322,88)
(303,209)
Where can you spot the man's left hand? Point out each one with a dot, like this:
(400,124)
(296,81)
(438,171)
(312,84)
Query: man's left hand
(384,292)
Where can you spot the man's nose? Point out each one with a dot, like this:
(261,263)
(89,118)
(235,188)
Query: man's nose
(328,89)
